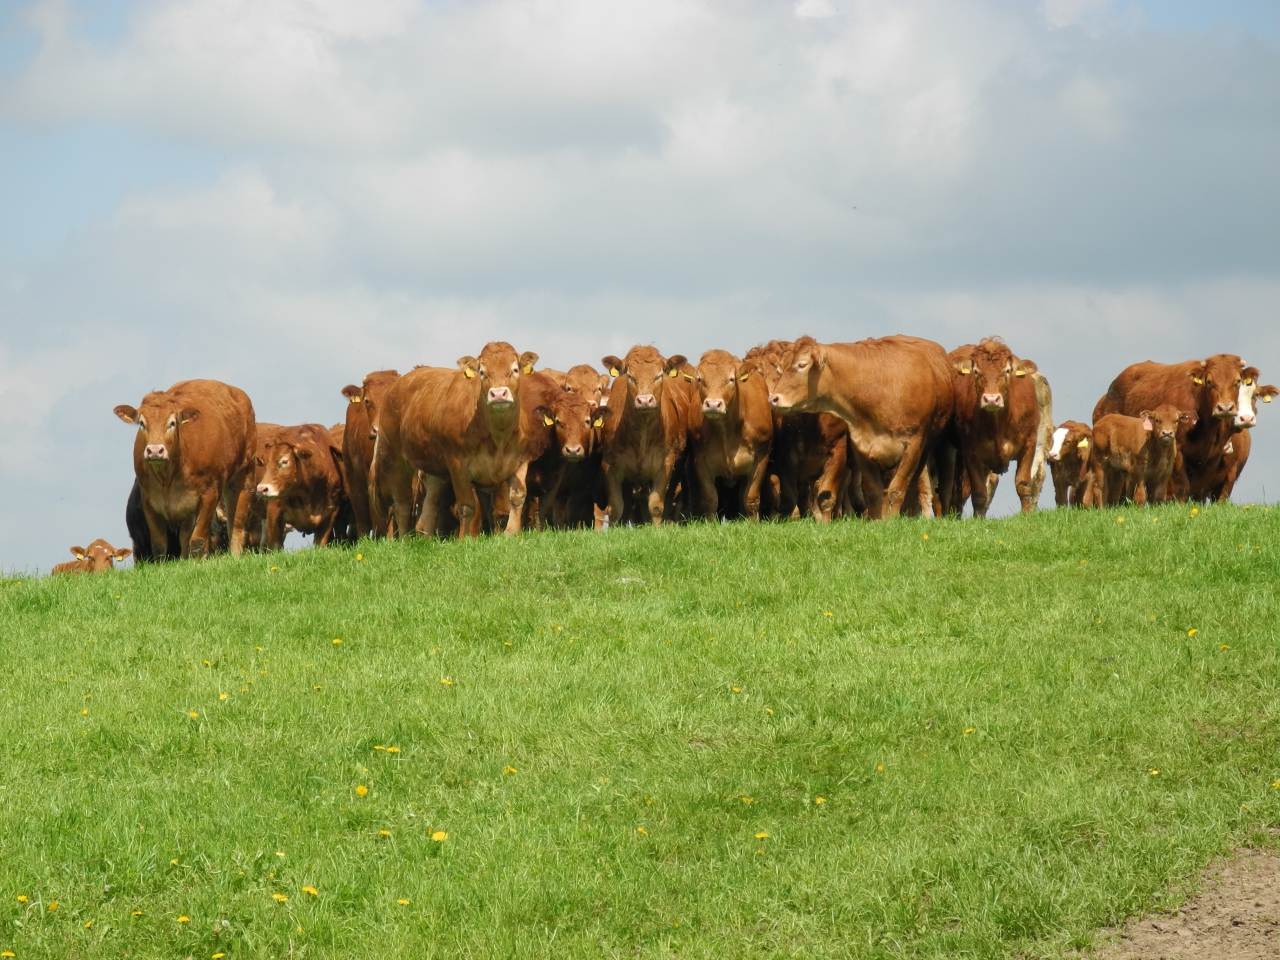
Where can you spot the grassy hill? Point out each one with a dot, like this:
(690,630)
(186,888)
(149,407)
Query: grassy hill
(905,739)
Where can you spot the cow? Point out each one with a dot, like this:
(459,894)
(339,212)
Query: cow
(732,449)
(193,450)
(1133,457)
(566,475)
(98,557)
(344,528)
(1070,446)
(1236,453)
(584,380)
(1002,412)
(357,444)
(1210,389)
(300,482)
(460,427)
(895,393)
(643,442)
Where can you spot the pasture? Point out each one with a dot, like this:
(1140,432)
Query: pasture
(902,739)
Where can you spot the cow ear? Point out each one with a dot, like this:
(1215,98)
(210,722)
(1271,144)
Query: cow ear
(548,418)
(188,415)
(599,416)
(1145,417)
(1249,376)
(78,552)
(744,372)
(1197,375)
(1267,393)
(964,366)
(613,365)
(126,413)
(527,360)
(352,393)
(122,553)
(468,366)
(674,363)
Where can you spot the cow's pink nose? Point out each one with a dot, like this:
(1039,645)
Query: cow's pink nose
(646,401)
(993,400)
(573,451)
(156,451)
(711,405)
(1247,419)
(263,490)
(1224,407)
(500,395)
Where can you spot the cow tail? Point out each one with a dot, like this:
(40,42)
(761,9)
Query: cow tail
(1044,430)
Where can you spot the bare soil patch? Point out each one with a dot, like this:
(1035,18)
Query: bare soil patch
(1235,917)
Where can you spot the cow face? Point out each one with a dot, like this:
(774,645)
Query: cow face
(801,365)
(992,365)
(280,463)
(499,370)
(583,380)
(1164,421)
(1250,392)
(159,420)
(1070,437)
(1220,379)
(99,556)
(369,396)
(645,371)
(766,360)
(575,421)
(718,376)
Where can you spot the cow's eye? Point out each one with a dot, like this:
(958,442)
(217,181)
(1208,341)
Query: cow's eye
(733,378)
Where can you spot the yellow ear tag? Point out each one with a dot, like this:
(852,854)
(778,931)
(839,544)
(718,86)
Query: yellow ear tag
(966,369)
(598,422)
(687,376)
(1248,383)
(357,399)
(1267,398)
(613,372)
(1020,372)
(1083,444)
(673,373)
(468,373)
(528,369)
(549,421)
(79,556)
(1198,381)
(743,378)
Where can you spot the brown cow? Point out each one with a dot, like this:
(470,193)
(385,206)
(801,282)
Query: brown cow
(357,444)
(344,528)
(584,380)
(733,446)
(1236,453)
(566,475)
(895,394)
(98,557)
(1208,388)
(1133,457)
(1003,412)
(654,410)
(456,426)
(301,483)
(1070,447)
(194,449)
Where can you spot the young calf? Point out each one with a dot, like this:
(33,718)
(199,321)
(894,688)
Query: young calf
(1070,446)
(301,482)
(99,556)
(1133,457)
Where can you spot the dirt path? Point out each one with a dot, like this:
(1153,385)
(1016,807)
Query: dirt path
(1236,917)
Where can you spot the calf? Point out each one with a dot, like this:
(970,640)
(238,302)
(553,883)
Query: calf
(361,428)
(461,427)
(895,394)
(1002,412)
(644,440)
(98,557)
(1069,448)
(733,446)
(1133,457)
(301,484)
(567,474)
(193,450)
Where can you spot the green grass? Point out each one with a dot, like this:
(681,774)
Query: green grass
(982,712)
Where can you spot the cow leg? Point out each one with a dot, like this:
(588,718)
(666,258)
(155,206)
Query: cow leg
(273,526)
(977,475)
(433,488)
(466,504)
(158,530)
(751,489)
(324,533)
(827,493)
(904,475)
(198,544)
(708,496)
(517,493)
(1061,489)
(1026,485)
(1140,493)
(242,514)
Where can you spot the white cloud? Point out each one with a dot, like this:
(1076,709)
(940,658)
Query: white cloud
(1067,13)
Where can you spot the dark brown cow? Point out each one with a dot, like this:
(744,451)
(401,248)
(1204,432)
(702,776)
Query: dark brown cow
(1236,453)
(459,427)
(301,483)
(567,474)
(357,444)
(1003,412)
(194,449)
(1070,447)
(643,442)
(809,464)
(98,557)
(895,394)
(732,449)
(1133,457)
(1208,388)
(344,528)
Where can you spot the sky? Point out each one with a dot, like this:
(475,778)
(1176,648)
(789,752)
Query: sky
(286,194)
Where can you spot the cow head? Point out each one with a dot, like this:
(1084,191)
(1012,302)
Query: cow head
(991,365)
(159,419)
(583,380)
(645,371)
(575,421)
(280,461)
(718,375)
(499,370)
(800,366)
(1070,437)
(1220,380)
(1250,393)
(1164,421)
(368,395)
(99,555)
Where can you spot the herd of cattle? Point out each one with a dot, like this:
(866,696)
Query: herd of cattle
(794,428)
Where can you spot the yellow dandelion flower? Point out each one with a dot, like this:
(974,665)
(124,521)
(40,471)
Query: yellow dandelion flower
(312,891)
(378,747)
(7,954)
(184,919)
(53,906)
(359,556)
(1224,646)
(315,687)
(1154,771)
(735,689)
(173,862)
(274,568)
(827,613)
(819,800)
(969,731)
(361,790)
(447,681)
(403,901)
(336,641)
(762,834)
(879,768)
(280,897)
(135,914)
(23,898)
(1192,632)
(279,853)
(439,836)
(384,833)
(224,696)
(217,956)
(1275,784)
(924,536)
(1195,511)
(747,799)
(1120,520)
(509,770)
(193,714)
(393,749)
(84,712)
(641,831)
(88,924)
(768,711)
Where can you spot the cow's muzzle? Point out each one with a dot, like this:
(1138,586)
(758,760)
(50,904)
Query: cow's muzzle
(155,452)
(646,401)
